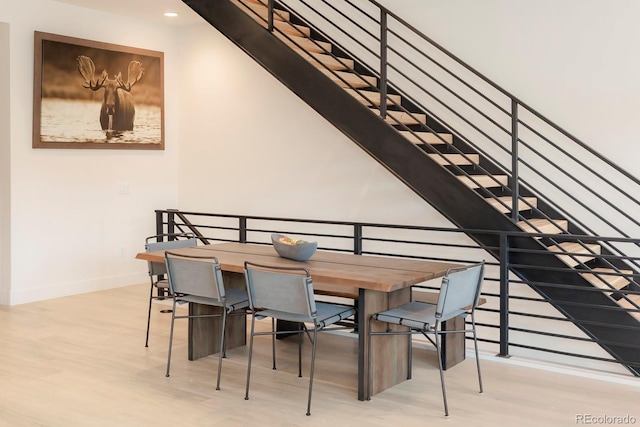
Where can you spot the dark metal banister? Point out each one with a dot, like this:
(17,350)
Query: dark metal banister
(504,295)
(341,29)
(386,12)
(272,12)
(515,185)
(515,155)
(270,15)
(515,102)
(572,157)
(457,96)
(506,93)
(443,50)
(383,69)
(383,64)
(446,70)
(193,229)
(583,185)
(514,145)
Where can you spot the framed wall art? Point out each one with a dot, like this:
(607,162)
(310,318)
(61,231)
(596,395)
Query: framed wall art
(89,94)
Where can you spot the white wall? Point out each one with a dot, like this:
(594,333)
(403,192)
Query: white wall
(71,232)
(260,150)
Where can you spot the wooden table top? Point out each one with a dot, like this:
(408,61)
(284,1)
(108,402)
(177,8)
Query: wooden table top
(366,272)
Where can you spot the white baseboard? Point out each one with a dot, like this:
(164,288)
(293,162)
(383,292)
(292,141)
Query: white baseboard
(23,296)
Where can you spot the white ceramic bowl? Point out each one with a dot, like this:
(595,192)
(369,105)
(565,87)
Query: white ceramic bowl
(298,252)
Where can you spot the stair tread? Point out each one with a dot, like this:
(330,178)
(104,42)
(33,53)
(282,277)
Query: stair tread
(628,305)
(352,79)
(576,248)
(544,225)
(304,43)
(485,181)
(522,206)
(261,10)
(613,278)
(320,59)
(293,29)
(427,137)
(401,117)
(456,159)
(373,98)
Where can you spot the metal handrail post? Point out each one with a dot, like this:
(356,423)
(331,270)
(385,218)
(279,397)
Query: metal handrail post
(504,295)
(242,229)
(159,225)
(171,222)
(383,63)
(270,15)
(357,239)
(514,161)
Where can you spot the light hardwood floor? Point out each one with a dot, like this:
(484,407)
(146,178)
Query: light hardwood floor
(81,361)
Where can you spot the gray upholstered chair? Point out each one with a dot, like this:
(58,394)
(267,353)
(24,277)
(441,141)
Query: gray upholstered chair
(157,270)
(199,280)
(459,295)
(287,294)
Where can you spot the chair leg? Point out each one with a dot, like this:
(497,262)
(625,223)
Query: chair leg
(409,355)
(146,341)
(313,363)
(369,352)
(475,342)
(253,325)
(273,342)
(299,350)
(222,343)
(173,318)
(444,393)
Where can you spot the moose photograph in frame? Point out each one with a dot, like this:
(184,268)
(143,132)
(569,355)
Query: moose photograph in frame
(95,95)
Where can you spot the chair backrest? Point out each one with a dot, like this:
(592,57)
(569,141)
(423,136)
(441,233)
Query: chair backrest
(152,244)
(460,291)
(197,276)
(288,290)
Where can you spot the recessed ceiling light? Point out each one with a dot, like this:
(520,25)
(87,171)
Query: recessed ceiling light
(170,14)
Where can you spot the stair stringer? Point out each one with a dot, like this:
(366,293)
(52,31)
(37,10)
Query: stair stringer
(432,182)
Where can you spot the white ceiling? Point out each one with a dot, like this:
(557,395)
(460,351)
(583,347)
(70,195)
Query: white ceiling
(150,10)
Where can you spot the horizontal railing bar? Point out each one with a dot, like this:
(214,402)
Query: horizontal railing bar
(503,91)
(564,353)
(456,95)
(350,36)
(474,231)
(579,162)
(445,69)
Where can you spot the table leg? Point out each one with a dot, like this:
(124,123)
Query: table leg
(453,345)
(204,333)
(389,358)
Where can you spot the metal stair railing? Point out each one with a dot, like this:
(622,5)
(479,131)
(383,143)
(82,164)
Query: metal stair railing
(535,153)
(504,326)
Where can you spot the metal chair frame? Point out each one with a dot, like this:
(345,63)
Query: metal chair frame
(432,321)
(158,270)
(286,293)
(200,281)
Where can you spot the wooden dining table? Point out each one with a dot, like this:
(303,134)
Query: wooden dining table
(376,284)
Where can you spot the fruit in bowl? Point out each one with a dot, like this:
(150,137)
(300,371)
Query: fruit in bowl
(296,249)
(290,241)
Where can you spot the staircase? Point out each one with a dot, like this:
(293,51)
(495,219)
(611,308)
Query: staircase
(443,167)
